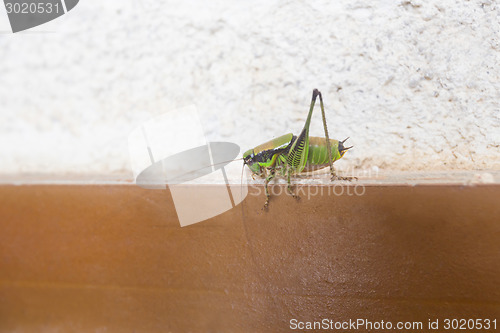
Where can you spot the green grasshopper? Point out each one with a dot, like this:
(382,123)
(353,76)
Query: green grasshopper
(289,154)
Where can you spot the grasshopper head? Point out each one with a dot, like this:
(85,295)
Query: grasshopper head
(249,160)
(343,149)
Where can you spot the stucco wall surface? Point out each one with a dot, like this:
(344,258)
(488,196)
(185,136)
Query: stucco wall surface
(414,84)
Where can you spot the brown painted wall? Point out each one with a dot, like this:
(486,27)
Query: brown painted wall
(115,258)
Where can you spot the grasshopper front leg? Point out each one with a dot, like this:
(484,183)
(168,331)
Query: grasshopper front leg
(268,179)
(289,186)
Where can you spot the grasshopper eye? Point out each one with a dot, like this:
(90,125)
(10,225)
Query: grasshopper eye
(247,154)
(248,157)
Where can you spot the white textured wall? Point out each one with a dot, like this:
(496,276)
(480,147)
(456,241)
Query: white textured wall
(415,84)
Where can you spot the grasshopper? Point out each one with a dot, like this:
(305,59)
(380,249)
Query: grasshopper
(289,154)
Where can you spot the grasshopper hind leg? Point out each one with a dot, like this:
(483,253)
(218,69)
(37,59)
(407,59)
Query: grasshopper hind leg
(328,147)
(336,177)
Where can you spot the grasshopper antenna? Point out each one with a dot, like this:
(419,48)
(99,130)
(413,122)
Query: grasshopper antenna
(211,165)
(224,162)
(241,180)
(241,195)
